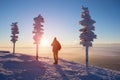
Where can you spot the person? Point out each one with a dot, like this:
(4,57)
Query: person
(56,47)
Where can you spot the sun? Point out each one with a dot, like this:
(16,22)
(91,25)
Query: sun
(44,42)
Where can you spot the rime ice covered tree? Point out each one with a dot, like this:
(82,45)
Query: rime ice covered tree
(87,35)
(38,32)
(14,31)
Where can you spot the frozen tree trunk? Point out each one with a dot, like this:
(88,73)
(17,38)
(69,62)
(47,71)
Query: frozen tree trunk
(37,46)
(87,58)
(13,48)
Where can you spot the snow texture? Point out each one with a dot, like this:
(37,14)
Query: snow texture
(24,67)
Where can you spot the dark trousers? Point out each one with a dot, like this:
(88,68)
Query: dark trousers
(55,54)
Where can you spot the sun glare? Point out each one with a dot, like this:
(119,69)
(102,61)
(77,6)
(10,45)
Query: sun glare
(44,42)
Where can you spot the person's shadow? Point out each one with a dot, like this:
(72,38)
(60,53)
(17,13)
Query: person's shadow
(61,72)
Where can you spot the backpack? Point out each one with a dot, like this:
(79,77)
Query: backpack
(59,46)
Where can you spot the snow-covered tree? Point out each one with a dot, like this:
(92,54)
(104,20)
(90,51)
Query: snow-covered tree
(38,32)
(87,34)
(14,31)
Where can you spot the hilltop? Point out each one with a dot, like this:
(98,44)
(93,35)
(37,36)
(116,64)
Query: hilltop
(25,67)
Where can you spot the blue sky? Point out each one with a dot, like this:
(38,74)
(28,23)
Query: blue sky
(61,20)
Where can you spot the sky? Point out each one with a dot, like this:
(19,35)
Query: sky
(61,20)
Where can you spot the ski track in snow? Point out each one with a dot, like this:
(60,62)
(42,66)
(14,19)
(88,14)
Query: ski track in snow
(24,67)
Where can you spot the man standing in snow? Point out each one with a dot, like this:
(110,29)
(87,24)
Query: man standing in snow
(56,47)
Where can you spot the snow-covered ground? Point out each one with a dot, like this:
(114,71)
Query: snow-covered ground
(24,67)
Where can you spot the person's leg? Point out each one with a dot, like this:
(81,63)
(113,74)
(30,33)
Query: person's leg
(57,57)
(54,57)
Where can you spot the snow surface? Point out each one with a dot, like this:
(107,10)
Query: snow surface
(24,67)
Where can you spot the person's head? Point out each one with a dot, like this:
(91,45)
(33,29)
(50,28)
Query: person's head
(55,38)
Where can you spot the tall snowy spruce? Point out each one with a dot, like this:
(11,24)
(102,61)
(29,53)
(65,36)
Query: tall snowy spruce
(38,32)
(87,35)
(14,31)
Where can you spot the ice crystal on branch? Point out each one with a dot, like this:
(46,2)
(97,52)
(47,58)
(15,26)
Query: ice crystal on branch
(38,30)
(87,34)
